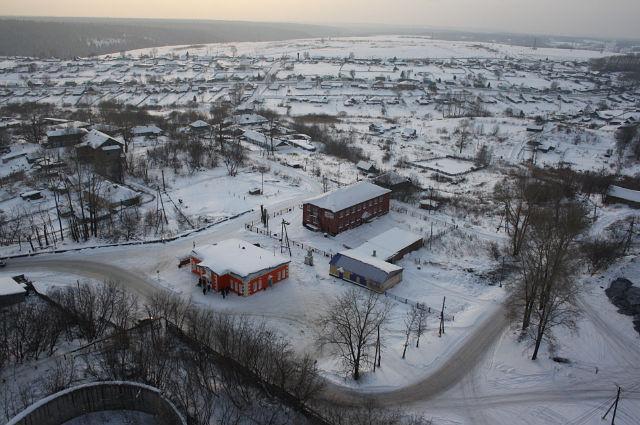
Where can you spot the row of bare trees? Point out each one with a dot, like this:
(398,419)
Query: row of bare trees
(29,331)
(216,367)
(544,222)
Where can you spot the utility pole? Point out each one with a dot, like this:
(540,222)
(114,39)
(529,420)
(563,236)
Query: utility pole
(375,357)
(379,347)
(614,406)
(441,330)
(431,236)
(284,237)
(627,243)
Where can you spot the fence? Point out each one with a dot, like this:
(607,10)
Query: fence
(100,396)
(448,227)
(147,242)
(273,235)
(421,306)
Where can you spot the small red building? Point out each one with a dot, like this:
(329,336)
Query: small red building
(238,266)
(345,208)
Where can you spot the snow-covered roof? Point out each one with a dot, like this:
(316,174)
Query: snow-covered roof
(238,257)
(260,139)
(302,144)
(146,129)
(95,139)
(68,131)
(199,124)
(365,165)
(367,266)
(8,286)
(388,244)
(624,193)
(249,119)
(391,178)
(346,197)
(255,137)
(116,193)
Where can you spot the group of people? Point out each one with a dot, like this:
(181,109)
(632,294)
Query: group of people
(207,287)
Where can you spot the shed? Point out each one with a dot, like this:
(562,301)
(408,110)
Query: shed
(393,181)
(366,270)
(11,292)
(31,195)
(366,166)
(617,194)
(391,245)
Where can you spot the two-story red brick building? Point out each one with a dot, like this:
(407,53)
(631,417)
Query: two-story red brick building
(345,208)
(238,266)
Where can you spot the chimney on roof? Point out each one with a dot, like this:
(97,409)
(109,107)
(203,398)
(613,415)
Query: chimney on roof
(374,252)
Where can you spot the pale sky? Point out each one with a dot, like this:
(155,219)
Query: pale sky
(610,18)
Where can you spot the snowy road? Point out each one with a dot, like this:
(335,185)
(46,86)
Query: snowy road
(448,370)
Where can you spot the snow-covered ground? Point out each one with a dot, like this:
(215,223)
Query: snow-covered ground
(518,85)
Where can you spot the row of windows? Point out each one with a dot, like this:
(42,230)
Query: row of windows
(282,274)
(360,207)
(350,221)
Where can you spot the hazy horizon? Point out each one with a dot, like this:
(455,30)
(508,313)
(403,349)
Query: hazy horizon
(584,18)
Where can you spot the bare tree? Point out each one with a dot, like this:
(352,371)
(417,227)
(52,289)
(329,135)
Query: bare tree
(421,325)
(97,308)
(219,119)
(163,304)
(236,93)
(233,156)
(544,295)
(33,129)
(519,197)
(409,327)
(349,325)
(464,132)
(272,122)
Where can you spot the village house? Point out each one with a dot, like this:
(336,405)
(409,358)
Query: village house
(263,141)
(199,127)
(149,131)
(248,119)
(345,208)
(105,152)
(64,137)
(393,181)
(238,266)
(115,195)
(366,166)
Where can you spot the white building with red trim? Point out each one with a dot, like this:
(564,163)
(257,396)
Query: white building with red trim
(238,266)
